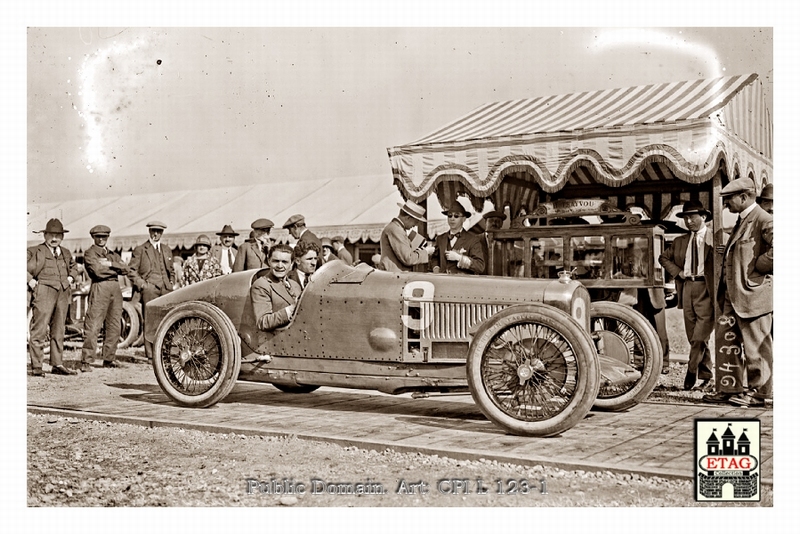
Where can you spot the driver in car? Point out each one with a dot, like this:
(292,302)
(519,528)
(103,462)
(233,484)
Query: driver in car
(274,295)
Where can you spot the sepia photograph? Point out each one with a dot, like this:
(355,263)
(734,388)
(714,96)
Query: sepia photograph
(314,265)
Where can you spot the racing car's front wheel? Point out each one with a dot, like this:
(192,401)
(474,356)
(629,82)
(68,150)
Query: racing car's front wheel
(196,354)
(533,370)
(630,339)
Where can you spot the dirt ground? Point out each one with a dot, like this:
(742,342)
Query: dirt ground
(77,462)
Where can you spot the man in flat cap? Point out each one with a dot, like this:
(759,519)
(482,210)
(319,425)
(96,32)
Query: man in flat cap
(340,250)
(254,255)
(104,268)
(398,252)
(458,251)
(225,250)
(745,296)
(51,274)
(689,261)
(200,265)
(151,271)
(296,224)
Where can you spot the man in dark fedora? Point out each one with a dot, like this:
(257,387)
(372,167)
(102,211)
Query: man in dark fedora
(151,271)
(254,255)
(51,274)
(458,251)
(398,252)
(689,261)
(104,307)
(765,199)
(296,224)
(745,296)
(225,250)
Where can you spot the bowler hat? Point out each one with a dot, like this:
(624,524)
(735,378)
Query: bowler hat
(294,219)
(692,207)
(740,185)
(100,230)
(227,230)
(262,224)
(457,208)
(157,225)
(203,239)
(766,193)
(53,226)
(413,209)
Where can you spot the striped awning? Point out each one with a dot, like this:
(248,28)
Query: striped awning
(512,151)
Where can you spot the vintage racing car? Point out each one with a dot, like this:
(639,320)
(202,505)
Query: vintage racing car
(521,347)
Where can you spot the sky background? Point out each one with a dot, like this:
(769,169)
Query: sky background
(116,110)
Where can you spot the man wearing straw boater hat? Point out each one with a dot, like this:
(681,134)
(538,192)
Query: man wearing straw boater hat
(105,300)
(688,260)
(225,250)
(51,274)
(152,271)
(398,253)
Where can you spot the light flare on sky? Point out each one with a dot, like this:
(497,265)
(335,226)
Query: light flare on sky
(93,93)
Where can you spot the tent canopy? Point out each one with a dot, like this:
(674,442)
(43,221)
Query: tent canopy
(356,208)
(510,151)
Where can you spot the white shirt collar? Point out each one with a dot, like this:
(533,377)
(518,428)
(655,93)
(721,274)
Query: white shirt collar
(745,212)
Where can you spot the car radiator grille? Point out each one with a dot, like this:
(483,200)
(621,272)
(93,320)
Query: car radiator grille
(452,321)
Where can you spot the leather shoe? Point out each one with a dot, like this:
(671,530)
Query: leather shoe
(717,398)
(86,368)
(61,370)
(112,364)
(689,381)
(37,372)
(743,400)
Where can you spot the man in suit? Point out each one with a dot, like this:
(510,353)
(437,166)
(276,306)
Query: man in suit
(225,250)
(397,251)
(341,251)
(306,258)
(104,307)
(458,251)
(689,261)
(51,274)
(151,271)
(253,255)
(745,296)
(274,295)
(296,224)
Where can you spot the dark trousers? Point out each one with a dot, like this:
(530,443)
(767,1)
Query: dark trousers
(104,308)
(744,352)
(698,319)
(148,294)
(49,313)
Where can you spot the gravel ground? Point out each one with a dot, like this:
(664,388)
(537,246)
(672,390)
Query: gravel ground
(77,462)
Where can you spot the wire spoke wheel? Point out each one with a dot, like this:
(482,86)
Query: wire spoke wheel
(635,343)
(191,354)
(530,371)
(198,355)
(533,370)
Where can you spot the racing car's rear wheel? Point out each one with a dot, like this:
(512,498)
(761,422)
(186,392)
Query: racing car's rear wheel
(533,370)
(130,325)
(635,343)
(196,354)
